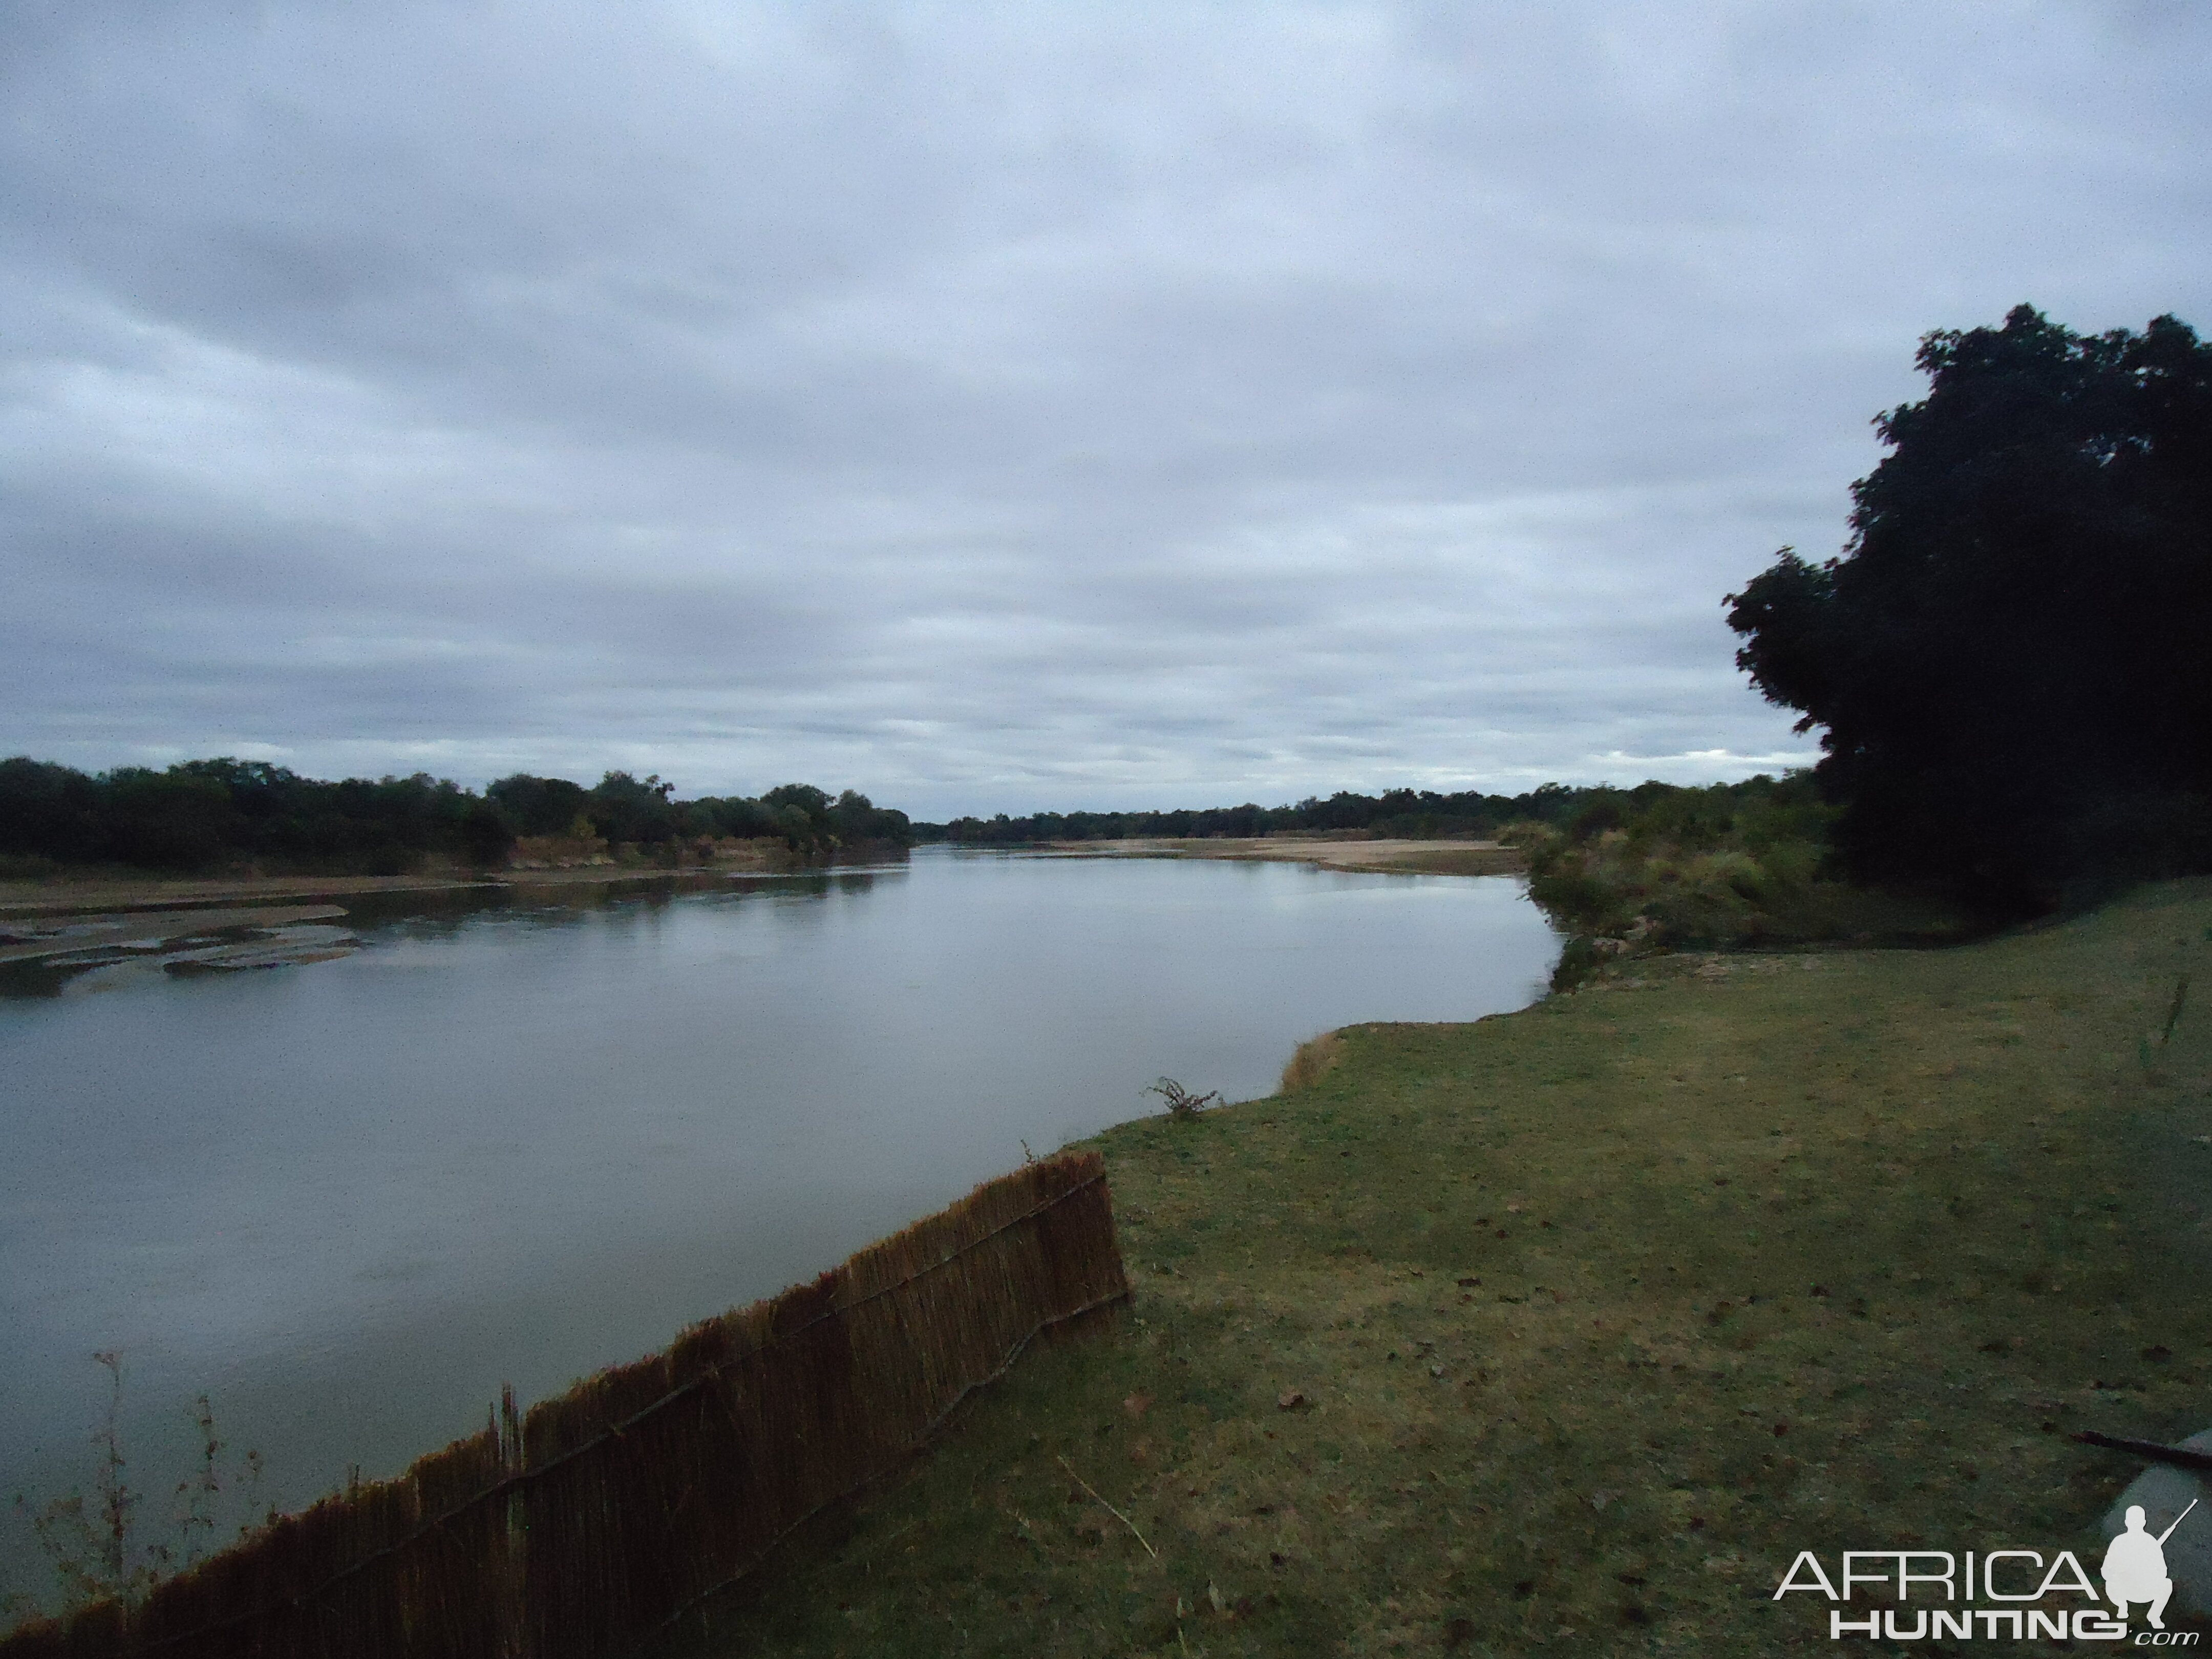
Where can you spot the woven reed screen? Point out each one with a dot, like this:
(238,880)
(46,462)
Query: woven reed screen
(581,1530)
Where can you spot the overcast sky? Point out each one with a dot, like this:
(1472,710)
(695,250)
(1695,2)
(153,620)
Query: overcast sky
(998,408)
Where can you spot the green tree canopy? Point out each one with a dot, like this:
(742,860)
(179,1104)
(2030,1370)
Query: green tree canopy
(2012,659)
(539,806)
(242,814)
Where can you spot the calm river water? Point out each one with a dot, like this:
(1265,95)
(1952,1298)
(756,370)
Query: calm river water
(517,1136)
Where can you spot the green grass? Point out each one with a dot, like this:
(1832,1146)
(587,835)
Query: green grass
(1767,1254)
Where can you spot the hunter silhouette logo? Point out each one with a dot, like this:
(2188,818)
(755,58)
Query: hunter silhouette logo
(2135,1566)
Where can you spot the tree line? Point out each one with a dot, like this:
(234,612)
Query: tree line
(1420,813)
(644,813)
(208,815)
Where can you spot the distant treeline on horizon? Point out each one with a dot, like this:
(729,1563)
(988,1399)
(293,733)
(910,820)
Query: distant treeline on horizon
(1418,814)
(226,814)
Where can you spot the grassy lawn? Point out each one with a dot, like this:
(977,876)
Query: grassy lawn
(1589,1318)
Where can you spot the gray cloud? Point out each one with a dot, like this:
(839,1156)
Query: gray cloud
(1003,408)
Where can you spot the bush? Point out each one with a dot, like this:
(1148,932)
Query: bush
(1181,1104)
(1728,866)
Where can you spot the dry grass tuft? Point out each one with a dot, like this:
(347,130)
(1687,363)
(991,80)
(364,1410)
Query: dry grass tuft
(1313,1056)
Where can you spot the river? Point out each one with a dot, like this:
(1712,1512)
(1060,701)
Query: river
(515,1136)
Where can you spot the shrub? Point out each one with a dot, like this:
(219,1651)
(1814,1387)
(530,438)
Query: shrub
(1181,1104)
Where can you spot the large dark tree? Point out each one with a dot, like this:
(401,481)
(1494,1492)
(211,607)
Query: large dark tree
(539,806)
(2013,657)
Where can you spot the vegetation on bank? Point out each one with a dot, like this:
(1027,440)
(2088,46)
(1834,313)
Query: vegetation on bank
(2008,663)
(232,815)
(1732,863)
(645,815)
(1570,1328)
(1634,873)
(1420,814)
(108,1545)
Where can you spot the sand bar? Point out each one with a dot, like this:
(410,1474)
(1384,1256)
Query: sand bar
(22,941)
(1404,857)
(21,899)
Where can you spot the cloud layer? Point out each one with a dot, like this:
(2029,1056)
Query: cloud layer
(1002,407)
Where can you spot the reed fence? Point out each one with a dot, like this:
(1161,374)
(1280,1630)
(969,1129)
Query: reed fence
(588,1525)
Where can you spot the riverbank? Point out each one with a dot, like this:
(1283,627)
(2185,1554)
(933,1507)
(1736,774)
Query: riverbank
(1569,1328)
(1405,857)
(90,894)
